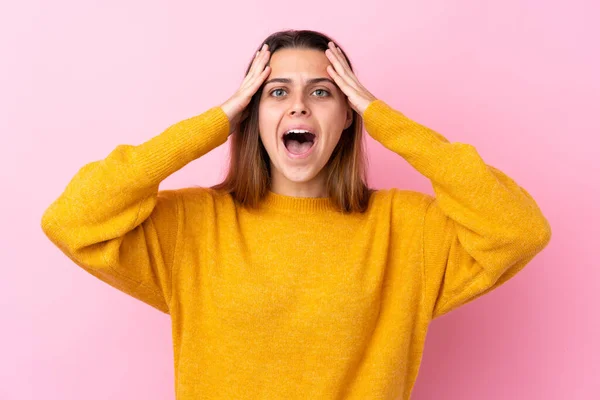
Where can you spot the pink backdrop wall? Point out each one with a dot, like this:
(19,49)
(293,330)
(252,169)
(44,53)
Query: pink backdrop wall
(517,79)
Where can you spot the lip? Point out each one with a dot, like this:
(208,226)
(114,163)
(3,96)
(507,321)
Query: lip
(305,127)
(301,156)
(299,126)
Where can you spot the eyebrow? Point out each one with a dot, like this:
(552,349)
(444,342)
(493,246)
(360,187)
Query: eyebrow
(310,81)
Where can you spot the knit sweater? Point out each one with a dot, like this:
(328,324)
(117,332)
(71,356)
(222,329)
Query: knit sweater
(295,299)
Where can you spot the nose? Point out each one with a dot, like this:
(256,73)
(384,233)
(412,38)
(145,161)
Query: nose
(298,110)
(298,106)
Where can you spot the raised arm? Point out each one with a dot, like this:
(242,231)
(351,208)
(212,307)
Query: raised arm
(111,219)
(480,229)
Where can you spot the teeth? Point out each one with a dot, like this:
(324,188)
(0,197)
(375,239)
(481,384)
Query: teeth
(298,131)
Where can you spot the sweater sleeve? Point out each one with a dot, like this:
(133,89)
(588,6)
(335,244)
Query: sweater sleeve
(113,221)
(479,230)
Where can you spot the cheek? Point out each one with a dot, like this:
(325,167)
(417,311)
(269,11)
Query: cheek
(334,141)
(267,121)
(333,121)
(265,133)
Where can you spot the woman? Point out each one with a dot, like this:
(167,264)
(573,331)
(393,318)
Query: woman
(292,279)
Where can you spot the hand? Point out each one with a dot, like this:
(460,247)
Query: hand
(237,103)
(358,97)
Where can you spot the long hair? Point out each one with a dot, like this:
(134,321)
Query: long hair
(249,176)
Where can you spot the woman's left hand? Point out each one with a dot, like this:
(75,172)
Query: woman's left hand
(358,97)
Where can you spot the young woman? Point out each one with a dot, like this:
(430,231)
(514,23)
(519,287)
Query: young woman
(292,279)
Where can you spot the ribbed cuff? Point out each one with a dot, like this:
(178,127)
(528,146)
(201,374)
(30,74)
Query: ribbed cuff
(422,147)
(182,143)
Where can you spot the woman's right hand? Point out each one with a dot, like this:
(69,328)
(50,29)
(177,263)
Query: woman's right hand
(237,103)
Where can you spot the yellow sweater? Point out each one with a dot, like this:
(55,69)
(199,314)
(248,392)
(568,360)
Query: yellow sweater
(296,300)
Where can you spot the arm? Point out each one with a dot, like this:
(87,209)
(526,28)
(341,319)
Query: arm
(479,230)
(112,220)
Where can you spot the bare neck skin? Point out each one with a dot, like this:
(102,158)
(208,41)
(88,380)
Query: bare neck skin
(313,188)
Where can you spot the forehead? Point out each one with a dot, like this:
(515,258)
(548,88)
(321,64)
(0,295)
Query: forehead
(299,62)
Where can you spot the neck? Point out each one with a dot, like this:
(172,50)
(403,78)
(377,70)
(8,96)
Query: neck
(313,188)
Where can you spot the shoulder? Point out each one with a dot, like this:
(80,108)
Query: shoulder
(401,199)
(400,206)
(197,196)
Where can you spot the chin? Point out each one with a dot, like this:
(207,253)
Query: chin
(300,176)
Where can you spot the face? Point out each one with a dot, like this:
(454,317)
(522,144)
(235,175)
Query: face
(300,93)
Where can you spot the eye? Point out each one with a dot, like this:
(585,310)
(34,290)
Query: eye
(324,91)
(276,90)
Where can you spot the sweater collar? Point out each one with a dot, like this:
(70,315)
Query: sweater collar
(275,201)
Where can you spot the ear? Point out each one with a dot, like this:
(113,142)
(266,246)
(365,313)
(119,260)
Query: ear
(349,118)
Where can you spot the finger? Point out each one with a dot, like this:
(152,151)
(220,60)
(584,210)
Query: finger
(259,58)
(261,67)
(340,55)
(337,53)
(341,65)
(347,70)
(348,90)
(254,69)
(261,78)
(256,83)
(255,79)
(341,69)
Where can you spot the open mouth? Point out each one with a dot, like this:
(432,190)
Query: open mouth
(298,141)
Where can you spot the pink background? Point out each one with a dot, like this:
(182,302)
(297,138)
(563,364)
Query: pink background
(517,79)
